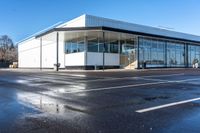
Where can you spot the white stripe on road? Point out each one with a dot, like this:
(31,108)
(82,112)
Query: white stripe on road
(166,105)
(105,78)
(166,75)
(48,79)
(132,85)
(67,74)
(141,77)
(116,87)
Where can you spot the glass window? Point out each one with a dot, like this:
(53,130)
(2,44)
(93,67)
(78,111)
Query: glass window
(114,46)
(93,45)
(155,55)
(101,47)
(67,47)
(193,54)
(107,47)
(73,46)
(175,54)
(153,44)
(81,46)
(152,52)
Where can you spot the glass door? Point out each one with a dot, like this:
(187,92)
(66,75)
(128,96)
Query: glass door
(128,56)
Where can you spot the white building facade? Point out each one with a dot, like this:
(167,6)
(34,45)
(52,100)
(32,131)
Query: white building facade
(90,42)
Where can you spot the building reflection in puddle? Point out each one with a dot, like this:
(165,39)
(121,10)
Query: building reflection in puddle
(69,89)
(48,101)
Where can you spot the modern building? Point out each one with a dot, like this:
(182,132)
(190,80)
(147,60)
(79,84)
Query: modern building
(90,42)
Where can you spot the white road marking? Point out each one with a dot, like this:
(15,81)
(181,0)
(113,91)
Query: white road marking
(166,75)
(67,74)
(131,85)
(142,77)
(167,105)
(107,79)
(154,79)
(117,87)
(157,81)
(185,80)
(48,79)
(42,77)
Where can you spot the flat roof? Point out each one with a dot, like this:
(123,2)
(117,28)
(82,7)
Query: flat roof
(89,22)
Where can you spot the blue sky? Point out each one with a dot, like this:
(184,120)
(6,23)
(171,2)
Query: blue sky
(22,18)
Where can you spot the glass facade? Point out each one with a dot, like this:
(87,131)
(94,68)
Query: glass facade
(175,54)
(95,43)
(154,52)
(167,53)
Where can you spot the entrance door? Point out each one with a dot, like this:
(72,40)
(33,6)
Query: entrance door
(128,56)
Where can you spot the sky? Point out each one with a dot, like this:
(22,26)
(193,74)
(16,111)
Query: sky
(22,18)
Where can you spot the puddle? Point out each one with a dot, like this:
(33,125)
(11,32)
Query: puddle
(50,105)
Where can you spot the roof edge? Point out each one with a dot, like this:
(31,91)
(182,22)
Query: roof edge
(114,30)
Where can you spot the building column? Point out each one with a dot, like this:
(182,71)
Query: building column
(119,51)
(41,53)
(138,53)
(57,51)
(165,52)
(104,49)
(186,57)
(85,51)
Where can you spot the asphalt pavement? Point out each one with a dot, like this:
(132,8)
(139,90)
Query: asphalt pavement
(125,101)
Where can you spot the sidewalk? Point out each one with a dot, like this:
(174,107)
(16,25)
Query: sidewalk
(106,70)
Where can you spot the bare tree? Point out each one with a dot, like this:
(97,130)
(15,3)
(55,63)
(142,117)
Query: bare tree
(8,52)
(11,55)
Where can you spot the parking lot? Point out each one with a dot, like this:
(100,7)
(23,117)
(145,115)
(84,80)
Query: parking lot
(125,101)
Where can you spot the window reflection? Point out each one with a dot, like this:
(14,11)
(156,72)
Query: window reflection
(74,45)
(160,53)
(93,44)
(151,52)
(193,54)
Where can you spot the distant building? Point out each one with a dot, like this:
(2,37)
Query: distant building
(90,42)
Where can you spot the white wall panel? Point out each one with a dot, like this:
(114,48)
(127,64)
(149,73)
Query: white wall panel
(29,54)
(75,59)
(94,58)
(48,54)
(112,59)
(61,55)
(97,59)
(29,44)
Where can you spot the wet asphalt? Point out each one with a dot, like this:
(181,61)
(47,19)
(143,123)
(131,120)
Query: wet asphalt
(99,102)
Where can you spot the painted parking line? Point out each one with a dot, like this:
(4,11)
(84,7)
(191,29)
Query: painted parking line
(116,87)
(141,77)
(48,79)
(164,75)
(166,105)
(102,79)
(67,74)
(149,79)
(57,76)
(131,85)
